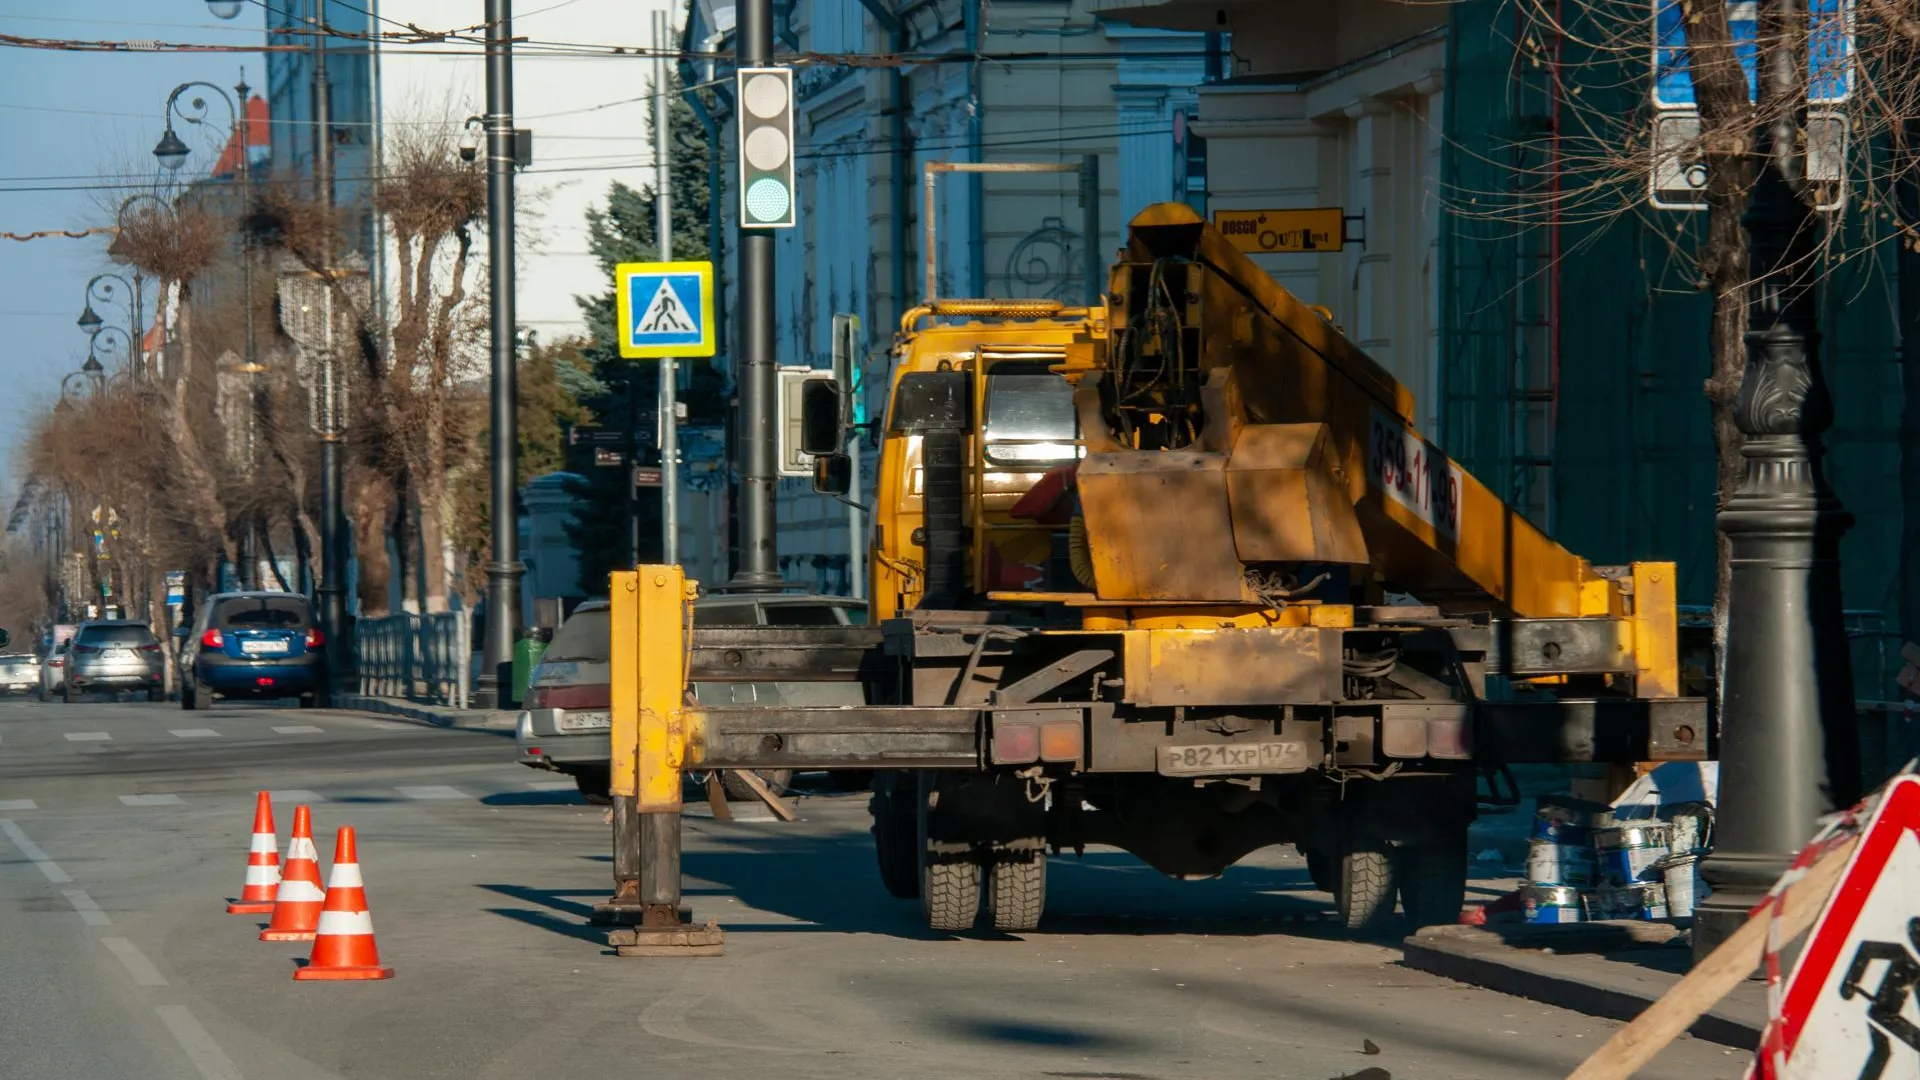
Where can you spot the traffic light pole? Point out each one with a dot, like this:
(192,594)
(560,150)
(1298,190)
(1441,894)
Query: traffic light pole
(494,686)
(759,556)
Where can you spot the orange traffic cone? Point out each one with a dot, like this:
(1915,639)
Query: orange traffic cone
(296,906)
(263,864)
(344,947)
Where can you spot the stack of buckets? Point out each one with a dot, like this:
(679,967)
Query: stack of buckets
(1586,862)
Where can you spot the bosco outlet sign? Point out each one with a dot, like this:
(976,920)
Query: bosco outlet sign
(765,97)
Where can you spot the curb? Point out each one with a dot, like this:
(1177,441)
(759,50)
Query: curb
(437,716)
(1560,979)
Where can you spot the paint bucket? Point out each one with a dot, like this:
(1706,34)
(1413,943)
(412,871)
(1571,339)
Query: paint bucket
(1680,873)
(1626,854)
(1549,863)
(1550,904)
(1646,900)
(1690,827)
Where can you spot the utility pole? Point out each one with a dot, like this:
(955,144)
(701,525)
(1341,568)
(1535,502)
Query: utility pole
(669,368)
(333,518)
(1788,751)
(759,557)
(504,571)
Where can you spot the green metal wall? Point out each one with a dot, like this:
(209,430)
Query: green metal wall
(1632,449)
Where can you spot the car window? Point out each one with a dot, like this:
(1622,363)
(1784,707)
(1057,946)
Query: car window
(115,635)
(802,615)
(724,615)
(585,638)
(1029,416)
(263,613)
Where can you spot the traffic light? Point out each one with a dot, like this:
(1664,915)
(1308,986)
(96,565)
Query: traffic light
(765,97)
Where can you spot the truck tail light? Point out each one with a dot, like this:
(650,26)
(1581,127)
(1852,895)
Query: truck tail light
(1061,740)
(1403,737)
(1450,740)
(1014,743)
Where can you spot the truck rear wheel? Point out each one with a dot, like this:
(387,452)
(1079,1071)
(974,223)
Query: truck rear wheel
(1017,893)
(950,893)
(896,839)
(1365,887)
(1433,881)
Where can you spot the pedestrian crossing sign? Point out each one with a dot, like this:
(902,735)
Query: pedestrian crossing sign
(664,309)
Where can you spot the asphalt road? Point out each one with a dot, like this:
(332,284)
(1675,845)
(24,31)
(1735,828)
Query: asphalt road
(123,828)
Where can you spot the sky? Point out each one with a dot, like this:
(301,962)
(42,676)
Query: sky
(73,126)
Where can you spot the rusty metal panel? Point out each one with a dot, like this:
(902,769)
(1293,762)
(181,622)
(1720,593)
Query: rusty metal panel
(1158,527)
(1592,729)
(1281,665)
(1582,646)
(1286,504)
(821,737)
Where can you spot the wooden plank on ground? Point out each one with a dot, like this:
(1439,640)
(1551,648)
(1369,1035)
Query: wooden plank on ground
(774,802)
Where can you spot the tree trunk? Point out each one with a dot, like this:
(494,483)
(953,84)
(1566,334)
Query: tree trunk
(372,516)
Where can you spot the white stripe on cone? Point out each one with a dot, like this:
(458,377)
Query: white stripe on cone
(263,875)
(345,924)
(346,876)
(302,848)
(263,844)
(300,891)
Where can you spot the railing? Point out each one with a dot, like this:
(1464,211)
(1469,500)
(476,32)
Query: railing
(427,658)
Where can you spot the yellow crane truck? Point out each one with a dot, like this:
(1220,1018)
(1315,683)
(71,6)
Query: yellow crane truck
(1174,574)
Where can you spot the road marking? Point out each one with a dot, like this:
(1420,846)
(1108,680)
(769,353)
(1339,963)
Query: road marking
(90,912)
(141,968)
(195,733)
(552,785)
(88,736)
(300,729)
(32,851)
(18,804)
(433,791)
(150,800)
(297,795)
(206,1054)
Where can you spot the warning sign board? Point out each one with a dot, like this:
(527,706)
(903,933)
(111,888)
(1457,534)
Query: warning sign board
(1852,1004)
(1260,232)
(664,309)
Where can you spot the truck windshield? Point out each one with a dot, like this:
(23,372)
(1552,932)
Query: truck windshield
(1029,417)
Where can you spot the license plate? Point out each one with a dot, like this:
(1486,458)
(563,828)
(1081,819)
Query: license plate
(262,648)
(584,721)
(1227,758)
(119,654)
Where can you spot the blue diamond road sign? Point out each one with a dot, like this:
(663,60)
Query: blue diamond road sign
(664,309)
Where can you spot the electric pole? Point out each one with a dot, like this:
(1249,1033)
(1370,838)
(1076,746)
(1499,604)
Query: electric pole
(504,571)
(669,368)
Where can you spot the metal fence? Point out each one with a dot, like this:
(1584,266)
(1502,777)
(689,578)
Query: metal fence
(427,658)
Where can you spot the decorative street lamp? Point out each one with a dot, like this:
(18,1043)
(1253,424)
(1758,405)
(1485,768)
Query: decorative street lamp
(101,288)
(225,9)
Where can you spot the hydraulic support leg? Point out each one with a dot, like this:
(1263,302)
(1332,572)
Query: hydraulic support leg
(650,766)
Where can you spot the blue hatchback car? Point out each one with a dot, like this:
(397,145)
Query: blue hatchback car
(253,645)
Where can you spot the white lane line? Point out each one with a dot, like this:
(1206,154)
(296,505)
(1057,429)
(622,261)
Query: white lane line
(150,800)
(194,733)
(300,729)
(552,785)
(433,791)
(206,1054)
(90,912)
(297,795)
(17,804)
(88,736)
(32,851)
(141,968)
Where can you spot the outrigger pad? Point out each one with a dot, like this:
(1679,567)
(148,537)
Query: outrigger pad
(683,940)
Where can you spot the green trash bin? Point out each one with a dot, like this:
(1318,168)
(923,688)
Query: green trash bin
(526,656)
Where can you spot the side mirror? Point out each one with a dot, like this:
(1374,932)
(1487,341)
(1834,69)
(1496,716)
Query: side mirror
(832,474)
(820,431)
(5,639)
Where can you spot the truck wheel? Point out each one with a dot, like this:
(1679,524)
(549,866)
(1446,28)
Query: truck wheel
(1017,893)
(950,894)
(738,791)
(1433,881)
(1365,893)
(896,842)
(850,779)
(595,786)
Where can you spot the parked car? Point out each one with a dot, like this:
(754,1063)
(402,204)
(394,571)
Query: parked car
(19,673)
(53,671)
(568,716)
(253,645)
(113,655)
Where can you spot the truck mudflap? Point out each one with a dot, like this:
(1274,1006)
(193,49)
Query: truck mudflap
(964,737)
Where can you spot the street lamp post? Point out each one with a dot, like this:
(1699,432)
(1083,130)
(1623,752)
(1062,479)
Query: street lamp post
(100,288)
(172,154)
(1787,743)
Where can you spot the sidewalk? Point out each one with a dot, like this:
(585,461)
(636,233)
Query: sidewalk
(437,715)
(1608,969)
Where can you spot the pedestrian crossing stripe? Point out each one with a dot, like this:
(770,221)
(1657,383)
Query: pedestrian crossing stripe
(664,309)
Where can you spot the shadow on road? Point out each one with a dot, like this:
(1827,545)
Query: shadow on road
(562,916)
